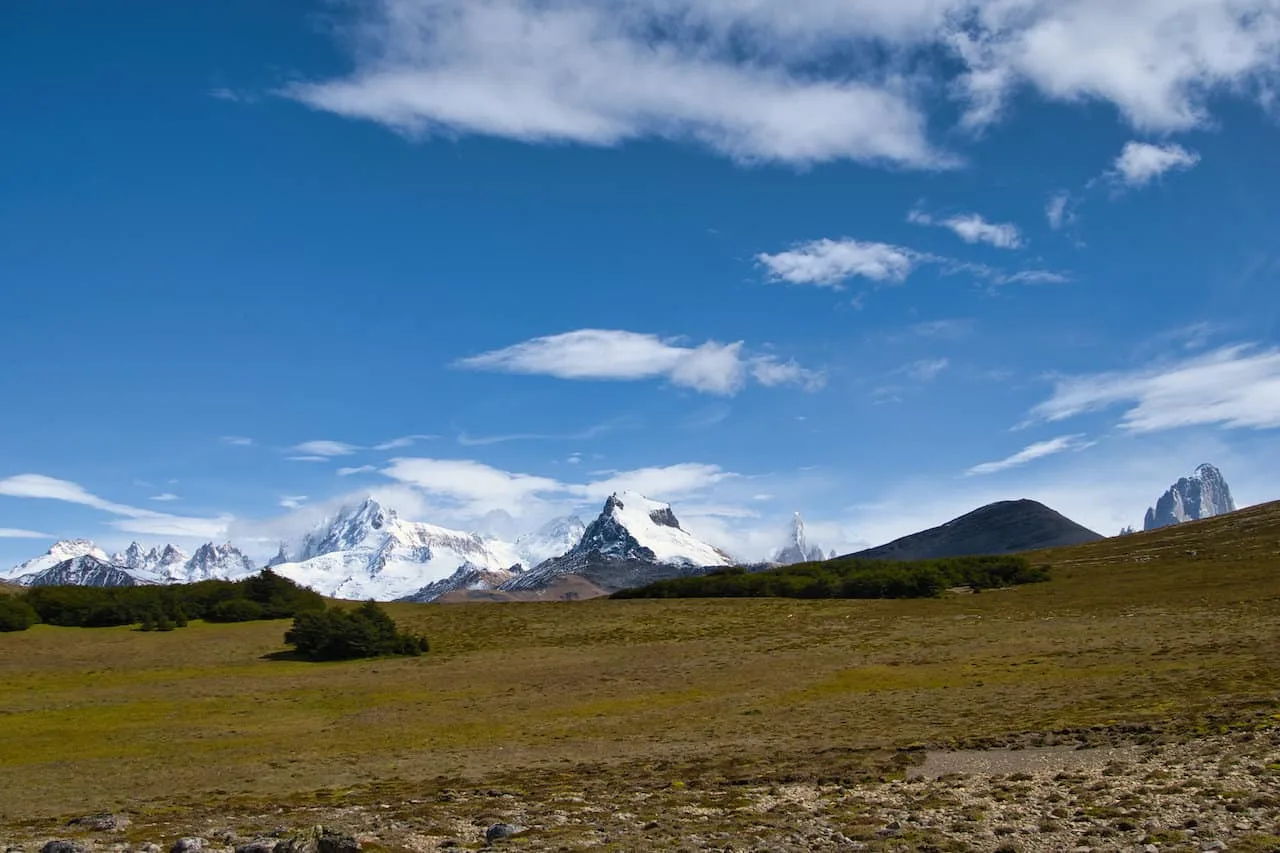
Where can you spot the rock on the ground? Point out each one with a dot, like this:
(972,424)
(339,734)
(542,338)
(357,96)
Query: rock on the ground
(62,847)
(319,839)
(101,822)
(188,845)
(257,845)
(499,831)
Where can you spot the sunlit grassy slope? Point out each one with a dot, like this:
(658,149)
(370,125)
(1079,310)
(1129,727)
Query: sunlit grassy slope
(1154,627)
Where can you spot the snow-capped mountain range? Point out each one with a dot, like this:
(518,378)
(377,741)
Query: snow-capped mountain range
(80,562)
(1202,495)
(366,550)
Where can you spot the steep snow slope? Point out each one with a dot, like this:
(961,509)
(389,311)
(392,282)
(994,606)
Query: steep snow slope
(553,539)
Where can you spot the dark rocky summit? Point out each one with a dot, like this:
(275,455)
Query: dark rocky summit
(1005,527)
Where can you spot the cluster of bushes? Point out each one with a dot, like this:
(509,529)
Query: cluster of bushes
(851,578)
(342,634)
(16,614)
(163,608)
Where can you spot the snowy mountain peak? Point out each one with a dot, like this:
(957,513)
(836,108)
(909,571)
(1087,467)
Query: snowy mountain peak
(553,539)
(66,549)
(632,527)
(216,561)
(84,570)
(133,556)
(797,549)
(1202,495)
(366,550)
(348,528)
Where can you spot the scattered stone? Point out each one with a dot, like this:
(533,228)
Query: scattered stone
(499,831)
(149,847)
(1151,848)
(62,847)
(1214,844)
(257,845)
(101,822)
(188,845)
(319,839)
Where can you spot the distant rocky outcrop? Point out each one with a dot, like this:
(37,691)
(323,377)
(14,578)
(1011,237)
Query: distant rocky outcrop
(1202,495)
(1005,527)
(798,549)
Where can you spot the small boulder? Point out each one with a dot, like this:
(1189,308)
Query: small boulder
(319,839)
(62,847)
(257,845)
(499,831)
(188,845)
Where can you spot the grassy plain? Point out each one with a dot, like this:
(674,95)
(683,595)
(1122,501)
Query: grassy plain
(1177,630)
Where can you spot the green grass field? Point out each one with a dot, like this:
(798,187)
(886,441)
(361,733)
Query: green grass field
(1167,629)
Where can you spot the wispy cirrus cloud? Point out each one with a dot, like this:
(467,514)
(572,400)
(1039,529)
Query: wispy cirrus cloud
(18,533)
(1030,453)
(238,441)
(973,228)
(754,81)
(165,497)
(132,519)
(1234,387)
(609,354)
(359,469)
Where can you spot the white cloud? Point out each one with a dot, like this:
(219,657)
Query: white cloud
(1056,210)
(134,520)
(1236,386)
(293,501)
(307,458)
(973,228)
(579,71)
(926,370)
(1140,162)
(15,533)
(662,483)
(166,497)
(829,263)
(404,441)
(600,354)
(1030,453)
(768,371)
(325,448)
(475,486)
(799,81)
(238,441)
(361,469)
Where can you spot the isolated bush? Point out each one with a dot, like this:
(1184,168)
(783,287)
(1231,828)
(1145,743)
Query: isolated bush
(16,614)
(342,634)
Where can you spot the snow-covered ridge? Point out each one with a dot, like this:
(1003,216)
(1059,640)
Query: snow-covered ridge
(368,551)
(92,567)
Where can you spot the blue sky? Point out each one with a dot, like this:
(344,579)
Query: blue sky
(875,262)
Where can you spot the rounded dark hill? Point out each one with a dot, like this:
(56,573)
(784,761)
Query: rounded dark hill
(1005,527)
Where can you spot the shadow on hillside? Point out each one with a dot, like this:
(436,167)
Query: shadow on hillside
(287,654)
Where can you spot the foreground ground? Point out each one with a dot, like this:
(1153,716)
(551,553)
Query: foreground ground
(659,724)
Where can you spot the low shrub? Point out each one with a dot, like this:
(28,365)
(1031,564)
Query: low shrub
(16,614)
(344,634)
(849,577)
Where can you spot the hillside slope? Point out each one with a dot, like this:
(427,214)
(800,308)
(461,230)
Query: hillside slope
(1005,527)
